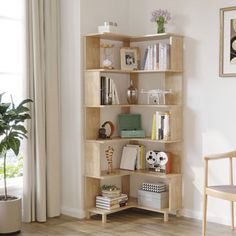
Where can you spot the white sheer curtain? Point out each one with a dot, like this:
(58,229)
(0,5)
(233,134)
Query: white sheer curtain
(41,198)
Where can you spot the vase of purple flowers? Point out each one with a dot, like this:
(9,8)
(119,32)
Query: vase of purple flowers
(161,17)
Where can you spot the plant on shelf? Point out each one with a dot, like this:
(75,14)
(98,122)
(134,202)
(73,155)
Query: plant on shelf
(109,190)
(109,187)
(12,132)
(161,17)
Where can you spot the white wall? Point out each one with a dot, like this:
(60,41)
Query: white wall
(90,14)
(209,112)
(71,110)
(210,101)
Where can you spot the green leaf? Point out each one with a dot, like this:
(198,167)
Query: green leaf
(23,102)
(3,147)
(4,107)
(20,128)
(14,144)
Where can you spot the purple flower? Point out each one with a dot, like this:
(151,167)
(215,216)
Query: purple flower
(160,15)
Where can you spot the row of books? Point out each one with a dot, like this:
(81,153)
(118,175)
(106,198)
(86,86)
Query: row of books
(109,203)
(109,95)
(161,126)
(157,57)
(133,157)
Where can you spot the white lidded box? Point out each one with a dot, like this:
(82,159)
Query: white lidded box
(108,27)
(153,200)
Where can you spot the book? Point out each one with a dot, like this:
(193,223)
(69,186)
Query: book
(128,159)
(107,207)
(109,94)
(110,199)
(144,59)
(154,127)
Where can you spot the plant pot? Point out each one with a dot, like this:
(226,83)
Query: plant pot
(10,216)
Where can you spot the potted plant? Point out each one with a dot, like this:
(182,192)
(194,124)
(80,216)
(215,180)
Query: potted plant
(12,132)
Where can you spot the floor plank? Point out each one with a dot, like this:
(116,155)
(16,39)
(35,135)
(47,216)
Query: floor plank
(128,223)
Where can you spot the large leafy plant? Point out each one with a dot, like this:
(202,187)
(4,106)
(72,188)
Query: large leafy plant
(12,130)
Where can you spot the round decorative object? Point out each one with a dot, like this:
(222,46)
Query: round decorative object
(102,131)
(162,158)
(132,94)
(151,157)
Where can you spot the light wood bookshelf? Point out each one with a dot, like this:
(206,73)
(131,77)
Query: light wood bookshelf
(171,79)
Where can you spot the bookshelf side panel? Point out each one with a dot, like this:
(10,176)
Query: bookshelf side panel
(92,189)
(92,88)
(92,160)
(92,122)
(92,52)
(176,54)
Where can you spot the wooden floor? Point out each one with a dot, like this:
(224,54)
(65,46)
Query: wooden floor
(127,223)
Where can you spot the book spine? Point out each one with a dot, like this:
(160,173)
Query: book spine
(154,127)
(142,151)
(161,56)
(103,90)
(157,57)
(166,128)
(144,59)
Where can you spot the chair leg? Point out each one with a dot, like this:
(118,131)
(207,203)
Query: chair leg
(232,214)
(204,215)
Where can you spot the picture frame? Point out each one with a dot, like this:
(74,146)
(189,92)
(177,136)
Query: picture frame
(227,67)
(129,58)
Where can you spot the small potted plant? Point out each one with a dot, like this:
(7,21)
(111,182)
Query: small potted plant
(161,17)
(109,190)
(12,132)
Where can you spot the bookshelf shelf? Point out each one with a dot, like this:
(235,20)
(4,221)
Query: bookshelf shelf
(120,173)
(169,107)
(132,203)
(133,71)
(137,38)
(118,139)
(97,80)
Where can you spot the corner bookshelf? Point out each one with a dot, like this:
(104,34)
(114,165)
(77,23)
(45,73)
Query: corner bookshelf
(95,170)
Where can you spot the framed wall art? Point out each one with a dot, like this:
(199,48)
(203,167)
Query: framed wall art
(129,58)
(228,42)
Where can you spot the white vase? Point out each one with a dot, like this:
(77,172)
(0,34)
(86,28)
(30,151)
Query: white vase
(10,216)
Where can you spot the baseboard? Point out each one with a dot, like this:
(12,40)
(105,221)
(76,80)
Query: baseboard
(80,214)
(210,218)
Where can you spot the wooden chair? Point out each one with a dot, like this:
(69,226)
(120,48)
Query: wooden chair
(225,192)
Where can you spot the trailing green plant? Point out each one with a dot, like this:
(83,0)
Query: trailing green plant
(109,187)
(12,130)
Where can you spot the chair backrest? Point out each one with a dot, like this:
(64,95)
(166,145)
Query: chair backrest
(219,156)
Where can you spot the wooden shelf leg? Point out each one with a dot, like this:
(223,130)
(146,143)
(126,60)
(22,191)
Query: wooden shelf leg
(104,218)
(88,215)
(178,213)
(166,217)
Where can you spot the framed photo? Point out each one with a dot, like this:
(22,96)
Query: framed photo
(228,41)
(129,58)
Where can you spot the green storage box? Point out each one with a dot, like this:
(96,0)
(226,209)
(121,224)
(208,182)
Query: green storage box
(129,126)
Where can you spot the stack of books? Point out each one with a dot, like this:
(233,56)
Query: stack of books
(157,57)
(110,203)
(161,126)
(109,95)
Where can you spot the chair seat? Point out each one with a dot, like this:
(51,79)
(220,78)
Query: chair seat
(227,192)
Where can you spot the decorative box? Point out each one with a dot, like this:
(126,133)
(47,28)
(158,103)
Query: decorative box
(129,126)
(153,200)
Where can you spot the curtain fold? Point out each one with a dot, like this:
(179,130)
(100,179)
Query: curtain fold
(41,189)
